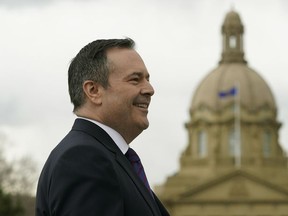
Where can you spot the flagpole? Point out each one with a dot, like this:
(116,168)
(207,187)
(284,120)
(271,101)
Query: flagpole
(237,126)
(235,91)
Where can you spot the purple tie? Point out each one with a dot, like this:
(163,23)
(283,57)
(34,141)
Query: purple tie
(137,165)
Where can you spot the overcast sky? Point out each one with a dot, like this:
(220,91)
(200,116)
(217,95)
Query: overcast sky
(179,40)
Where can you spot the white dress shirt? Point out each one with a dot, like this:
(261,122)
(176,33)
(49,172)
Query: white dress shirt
(117,138)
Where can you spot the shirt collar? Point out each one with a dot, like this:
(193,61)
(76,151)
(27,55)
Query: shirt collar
(117,138)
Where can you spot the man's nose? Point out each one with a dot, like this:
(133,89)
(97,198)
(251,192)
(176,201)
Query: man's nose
(148,89)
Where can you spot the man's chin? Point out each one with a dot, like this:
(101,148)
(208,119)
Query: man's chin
(144,125)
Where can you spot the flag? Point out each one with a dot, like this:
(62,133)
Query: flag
(227,93)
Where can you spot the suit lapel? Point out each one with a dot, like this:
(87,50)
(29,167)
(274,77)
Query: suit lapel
(99,134)
(139,184)
(161,207)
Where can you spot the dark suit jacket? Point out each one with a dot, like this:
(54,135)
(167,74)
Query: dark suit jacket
(87,174)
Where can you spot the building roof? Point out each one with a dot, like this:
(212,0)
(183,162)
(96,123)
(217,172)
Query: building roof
(233,72)
(232,19)
(253,91)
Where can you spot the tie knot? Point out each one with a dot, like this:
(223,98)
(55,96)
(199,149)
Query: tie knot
(132,155)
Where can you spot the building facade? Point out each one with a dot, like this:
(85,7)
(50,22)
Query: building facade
(233,164)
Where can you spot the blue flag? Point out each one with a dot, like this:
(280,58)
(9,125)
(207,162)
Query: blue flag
(227,93)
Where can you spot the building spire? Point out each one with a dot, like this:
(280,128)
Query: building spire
(232,5)
(232,33)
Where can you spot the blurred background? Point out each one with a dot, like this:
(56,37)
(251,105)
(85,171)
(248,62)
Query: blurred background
(180,42)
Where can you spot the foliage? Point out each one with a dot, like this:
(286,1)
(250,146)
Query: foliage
(21,177)
(10,206)
(18,176)
(17,180)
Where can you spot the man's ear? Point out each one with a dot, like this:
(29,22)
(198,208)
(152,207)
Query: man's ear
(93,91)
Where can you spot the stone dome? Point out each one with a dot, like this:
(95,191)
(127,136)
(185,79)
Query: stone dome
(254,92)
(232,19)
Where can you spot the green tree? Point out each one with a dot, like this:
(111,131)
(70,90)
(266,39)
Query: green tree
(10,206)
(16,176)
(17,182)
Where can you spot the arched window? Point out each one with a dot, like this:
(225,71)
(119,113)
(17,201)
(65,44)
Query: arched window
(232,41)
(202,144)
(266,146)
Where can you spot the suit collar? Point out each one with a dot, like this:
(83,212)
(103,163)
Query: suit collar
(97,132)
(117,138)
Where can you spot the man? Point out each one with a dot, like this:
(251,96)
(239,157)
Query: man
(88,172)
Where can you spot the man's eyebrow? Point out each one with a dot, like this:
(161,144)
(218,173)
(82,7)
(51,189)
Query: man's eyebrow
(136,73)
(140,74)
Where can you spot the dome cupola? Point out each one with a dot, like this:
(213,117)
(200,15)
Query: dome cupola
(233,72)
(232,32)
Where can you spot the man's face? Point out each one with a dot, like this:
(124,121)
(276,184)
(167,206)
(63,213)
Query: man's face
(126,100)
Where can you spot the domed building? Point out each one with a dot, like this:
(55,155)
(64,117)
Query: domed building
(233,164)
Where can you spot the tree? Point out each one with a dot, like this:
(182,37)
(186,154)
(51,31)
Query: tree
(17,182)
(8,206)
(17,176)
(21,176)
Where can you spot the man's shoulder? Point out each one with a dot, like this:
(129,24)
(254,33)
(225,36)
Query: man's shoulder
(76,145)
(77,140)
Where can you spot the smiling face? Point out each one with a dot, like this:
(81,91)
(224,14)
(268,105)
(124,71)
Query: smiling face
(126,100)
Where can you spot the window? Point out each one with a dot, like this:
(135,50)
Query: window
(232,142)
(202,144)
(232,41)
(266,147)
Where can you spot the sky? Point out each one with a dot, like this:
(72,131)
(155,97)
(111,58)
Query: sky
(179,40)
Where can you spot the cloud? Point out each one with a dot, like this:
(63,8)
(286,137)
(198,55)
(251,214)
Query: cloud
(10,113)
(24,3)
(15,4)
